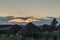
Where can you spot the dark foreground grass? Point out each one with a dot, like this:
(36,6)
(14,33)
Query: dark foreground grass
(44,36)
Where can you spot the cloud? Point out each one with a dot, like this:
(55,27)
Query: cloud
(18,20)
(50,17)
(6,18)
(23,19)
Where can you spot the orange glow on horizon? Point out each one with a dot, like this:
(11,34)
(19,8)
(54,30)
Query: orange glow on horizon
(21,20)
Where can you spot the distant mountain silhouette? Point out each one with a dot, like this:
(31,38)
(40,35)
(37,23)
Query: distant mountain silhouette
(29,29)
(30,25)
(45,27)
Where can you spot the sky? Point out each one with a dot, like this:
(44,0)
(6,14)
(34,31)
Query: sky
(35,8)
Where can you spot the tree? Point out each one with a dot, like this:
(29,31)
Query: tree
(54,23)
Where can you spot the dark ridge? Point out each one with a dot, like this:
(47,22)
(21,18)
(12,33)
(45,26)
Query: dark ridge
(30,25)
(14,29)
(29,29)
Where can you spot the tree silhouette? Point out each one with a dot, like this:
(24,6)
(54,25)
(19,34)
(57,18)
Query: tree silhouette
(54,23)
